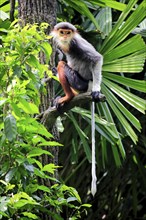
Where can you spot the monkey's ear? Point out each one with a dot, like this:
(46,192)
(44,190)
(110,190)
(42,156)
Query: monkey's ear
(98,97)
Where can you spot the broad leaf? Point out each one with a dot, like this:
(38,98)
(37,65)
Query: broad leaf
(10,127)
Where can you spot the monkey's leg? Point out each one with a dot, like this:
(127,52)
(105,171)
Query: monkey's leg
(64,82)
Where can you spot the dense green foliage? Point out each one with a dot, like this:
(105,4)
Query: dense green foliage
(118,30)
(23,138)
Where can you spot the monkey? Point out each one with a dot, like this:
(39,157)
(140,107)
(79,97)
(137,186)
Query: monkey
(82,72)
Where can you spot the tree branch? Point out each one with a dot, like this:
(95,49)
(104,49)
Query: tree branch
(49,116)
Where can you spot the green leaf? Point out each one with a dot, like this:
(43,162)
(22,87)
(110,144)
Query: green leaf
(131,118)
(37,152)
(50,168)
(123,28)
(86,205)
(107,114)
(120,116)
(102,126)
(130,64)
(3,213)
(4,15)
(50,143)
(110,3)
(39,173)
(10,174)
(46,47)
(16,110)
(44,188)
(10,127)
(29,167)
(33,62)
(30,215)
(104,19)
(72,191)
(71,199)
(81,7)
(116,156)
(82,136)
(2,101)
(22,202)
(128,47)
(28,107)
(139,85)
(133,100)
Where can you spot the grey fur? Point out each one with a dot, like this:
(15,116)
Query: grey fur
(65,25)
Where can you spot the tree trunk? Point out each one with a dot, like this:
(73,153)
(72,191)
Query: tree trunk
(38,11)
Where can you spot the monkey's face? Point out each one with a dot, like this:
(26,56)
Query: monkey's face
(65,35)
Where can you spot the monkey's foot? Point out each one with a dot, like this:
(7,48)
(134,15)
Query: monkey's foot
(98,97)
(57,104)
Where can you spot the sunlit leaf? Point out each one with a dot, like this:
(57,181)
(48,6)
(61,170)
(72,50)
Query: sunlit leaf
(46,47)
(130,64)
(50,168)
(139,85)
(30,215)
(37,152)
(133,100)
(28,107)
(122,29)
(110,3)
(132,45)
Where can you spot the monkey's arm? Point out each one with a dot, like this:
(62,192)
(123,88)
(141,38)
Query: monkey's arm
(97,78)
(97,74)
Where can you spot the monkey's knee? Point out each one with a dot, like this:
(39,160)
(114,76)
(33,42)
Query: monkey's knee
(60,66)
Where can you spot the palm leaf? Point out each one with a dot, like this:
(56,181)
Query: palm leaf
(129,46)
(123,28)
(82,136)
(120,115)
(82,8)
(133,63)
(133,100)
(110,3)
(139,85)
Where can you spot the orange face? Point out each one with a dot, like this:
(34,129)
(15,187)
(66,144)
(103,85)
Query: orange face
(65,34)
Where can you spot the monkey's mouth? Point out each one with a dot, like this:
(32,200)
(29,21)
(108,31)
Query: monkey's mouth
(65,41)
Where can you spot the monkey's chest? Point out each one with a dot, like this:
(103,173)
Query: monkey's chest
(80,65)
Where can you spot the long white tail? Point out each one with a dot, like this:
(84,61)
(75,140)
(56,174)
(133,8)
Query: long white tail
(94,178)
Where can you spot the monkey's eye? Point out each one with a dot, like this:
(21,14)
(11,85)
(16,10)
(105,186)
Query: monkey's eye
(68,33)
(61,32)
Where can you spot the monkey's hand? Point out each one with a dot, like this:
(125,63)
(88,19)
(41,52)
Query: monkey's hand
(54,71)
(98,96)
